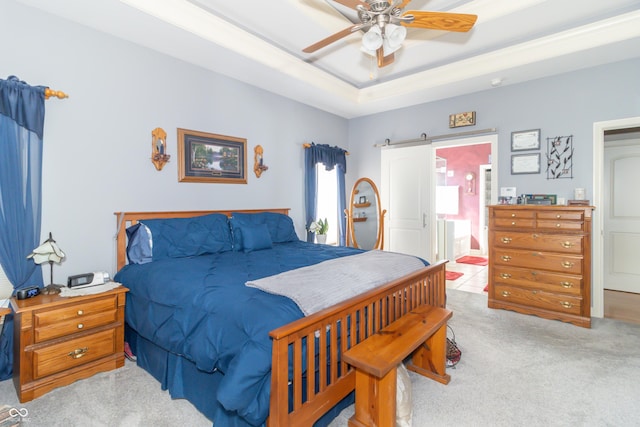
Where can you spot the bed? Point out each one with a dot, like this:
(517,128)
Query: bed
(243,356)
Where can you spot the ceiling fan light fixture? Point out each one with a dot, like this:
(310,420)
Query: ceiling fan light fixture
(372,39)
(395,35)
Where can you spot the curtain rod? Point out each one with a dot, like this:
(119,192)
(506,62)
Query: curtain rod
(307,145)
(430,139)
(48,93)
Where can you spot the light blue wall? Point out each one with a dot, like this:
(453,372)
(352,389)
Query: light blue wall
(97,144)
(566,104)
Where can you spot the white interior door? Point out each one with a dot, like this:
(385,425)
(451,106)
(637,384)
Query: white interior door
(621,216)
(406,175)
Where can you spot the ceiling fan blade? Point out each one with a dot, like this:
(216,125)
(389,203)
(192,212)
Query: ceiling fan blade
(383,61)
(353,4)
(460,22)
(333,38)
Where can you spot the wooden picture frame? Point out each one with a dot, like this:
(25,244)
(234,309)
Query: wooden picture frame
(525,163)
(211,158)
(462,119)
(525,140)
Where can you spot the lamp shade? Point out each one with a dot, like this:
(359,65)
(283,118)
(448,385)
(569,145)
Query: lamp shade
(372,39)
(48,251)
(395,35)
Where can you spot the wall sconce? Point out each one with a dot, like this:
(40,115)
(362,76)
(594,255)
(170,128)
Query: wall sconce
(159,148)
(470,188)
(258,161)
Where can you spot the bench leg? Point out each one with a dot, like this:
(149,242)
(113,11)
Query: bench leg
(375,400)
(430,359)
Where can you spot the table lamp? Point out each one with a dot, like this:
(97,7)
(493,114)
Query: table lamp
(49,252)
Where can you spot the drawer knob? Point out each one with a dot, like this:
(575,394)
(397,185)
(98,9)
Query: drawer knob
(506,258)
(506,240)
(558,225)
(506,293)
(558,216)
(566,285)
(80,312)
(513,215)
(505,275)
(566,304)
(567,244)
(567,264)
(80,325)
(513,223)
(78,352)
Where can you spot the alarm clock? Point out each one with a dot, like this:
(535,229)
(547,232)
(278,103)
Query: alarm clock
(29,292)
(88,279)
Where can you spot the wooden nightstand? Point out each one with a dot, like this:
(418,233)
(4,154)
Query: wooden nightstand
(60,340)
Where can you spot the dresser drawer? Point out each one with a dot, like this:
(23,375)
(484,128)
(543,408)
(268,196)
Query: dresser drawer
(562,215)
(513,214)
(540,242)
(540,299)
(559,225)
(536,279)
(514,223)
(567,264)
(69,354)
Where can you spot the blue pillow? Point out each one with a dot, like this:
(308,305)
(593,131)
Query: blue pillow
(280,227)
(185,237)
(139,244)
(255,237)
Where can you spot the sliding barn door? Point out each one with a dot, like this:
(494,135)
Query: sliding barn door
(406,175)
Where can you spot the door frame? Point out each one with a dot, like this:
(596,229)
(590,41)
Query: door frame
(597,271)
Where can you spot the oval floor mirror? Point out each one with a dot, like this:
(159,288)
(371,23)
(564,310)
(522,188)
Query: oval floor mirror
(365,218)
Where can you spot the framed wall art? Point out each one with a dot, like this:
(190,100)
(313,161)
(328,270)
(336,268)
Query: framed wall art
(208,157)
(525,163)
(525,140)
(462,119)
(560,157)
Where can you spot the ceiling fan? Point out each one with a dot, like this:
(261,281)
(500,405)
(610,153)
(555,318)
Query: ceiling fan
(385,22)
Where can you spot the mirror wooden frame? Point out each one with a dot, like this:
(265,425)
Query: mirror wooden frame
(355,202)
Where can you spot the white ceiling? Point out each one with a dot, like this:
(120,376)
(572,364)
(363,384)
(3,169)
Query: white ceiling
(261,41)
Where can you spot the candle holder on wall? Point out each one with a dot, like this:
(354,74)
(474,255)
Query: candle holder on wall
(159,148)
(258,161)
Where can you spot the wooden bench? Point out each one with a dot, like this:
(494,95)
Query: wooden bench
(421,334)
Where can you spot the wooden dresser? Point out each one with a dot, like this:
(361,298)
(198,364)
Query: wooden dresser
(60,340)
(540,261)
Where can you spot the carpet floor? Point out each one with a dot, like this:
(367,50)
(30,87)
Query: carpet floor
(516,370)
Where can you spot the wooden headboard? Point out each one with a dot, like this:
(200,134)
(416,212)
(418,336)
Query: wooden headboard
(127,219)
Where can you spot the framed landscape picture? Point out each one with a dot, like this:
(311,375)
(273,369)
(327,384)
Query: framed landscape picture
(208,157)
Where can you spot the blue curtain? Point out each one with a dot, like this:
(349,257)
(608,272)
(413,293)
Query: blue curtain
(330,157)
(21,128)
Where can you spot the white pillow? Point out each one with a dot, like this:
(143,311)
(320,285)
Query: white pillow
(404,405)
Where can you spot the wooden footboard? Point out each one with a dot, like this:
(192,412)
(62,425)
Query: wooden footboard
(313,388)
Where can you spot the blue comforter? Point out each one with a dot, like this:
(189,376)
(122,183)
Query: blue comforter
(200,308)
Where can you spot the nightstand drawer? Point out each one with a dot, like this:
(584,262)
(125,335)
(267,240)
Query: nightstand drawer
(71,326)
(74,311)
(69,354)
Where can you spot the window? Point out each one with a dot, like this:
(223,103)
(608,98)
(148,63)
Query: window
(328,201)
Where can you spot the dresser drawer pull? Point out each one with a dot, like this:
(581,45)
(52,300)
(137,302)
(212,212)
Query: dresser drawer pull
(78,352)
(558,216)
(566,285)
(513,215)
(505,275)
(567,245)
(506,240)
(506,258)
(567,264)
(506,293)
(513,223)
(566,304)
(535,236)
(80,325)
(80,312)
(558,225)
